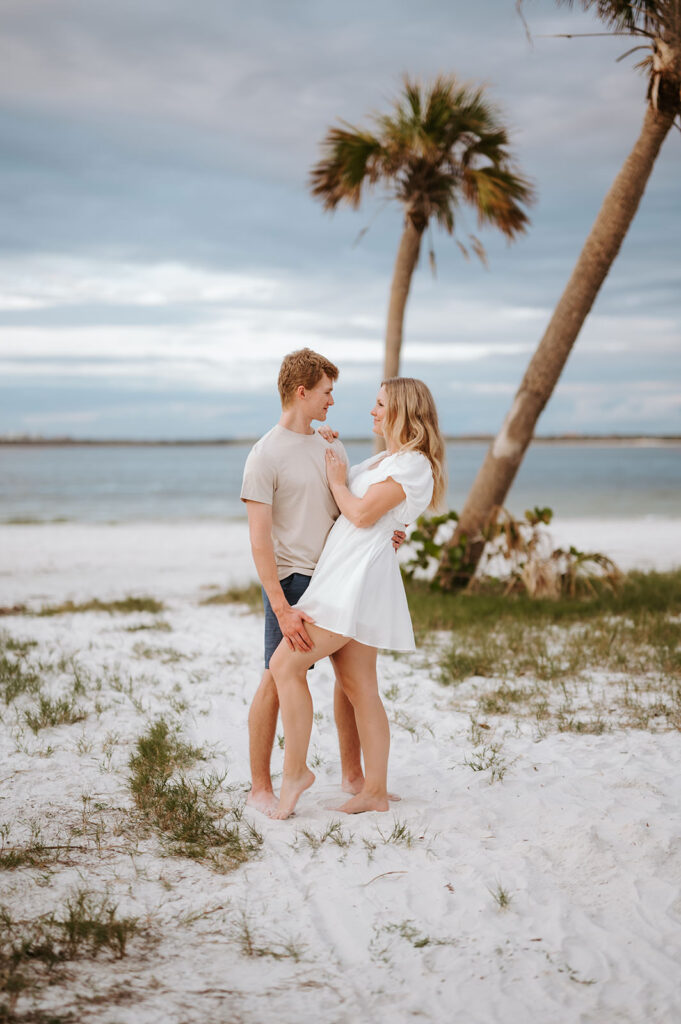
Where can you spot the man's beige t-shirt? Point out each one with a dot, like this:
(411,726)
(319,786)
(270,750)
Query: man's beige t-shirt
(287,470)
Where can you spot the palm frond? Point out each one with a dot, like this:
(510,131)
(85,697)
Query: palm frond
(636,16)
(497,194)
(351,158)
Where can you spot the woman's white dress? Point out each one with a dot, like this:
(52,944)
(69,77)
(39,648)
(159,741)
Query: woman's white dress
(356,589)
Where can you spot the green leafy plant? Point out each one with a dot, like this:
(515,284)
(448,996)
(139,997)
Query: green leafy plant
(518,557)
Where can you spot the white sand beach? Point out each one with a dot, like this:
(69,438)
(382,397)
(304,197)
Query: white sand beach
(385,917)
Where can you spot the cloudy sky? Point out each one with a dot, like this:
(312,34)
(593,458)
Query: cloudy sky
(159,253)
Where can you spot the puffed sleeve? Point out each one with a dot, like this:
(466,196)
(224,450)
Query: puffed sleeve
(413,471)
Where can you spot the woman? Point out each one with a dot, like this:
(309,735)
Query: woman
(356,596)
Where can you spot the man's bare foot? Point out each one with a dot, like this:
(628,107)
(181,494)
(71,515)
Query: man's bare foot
(352,786)
(290,791)
(263,801)
(356,785)
(365,802)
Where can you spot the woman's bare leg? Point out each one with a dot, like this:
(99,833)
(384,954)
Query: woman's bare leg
(289,669)
(356,664)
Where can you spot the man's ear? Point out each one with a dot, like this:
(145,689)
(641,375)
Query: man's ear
(300,391)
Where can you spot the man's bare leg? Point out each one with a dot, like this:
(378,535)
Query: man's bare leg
(352,776)
(262,726)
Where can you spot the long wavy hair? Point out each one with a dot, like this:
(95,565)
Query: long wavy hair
(411,424)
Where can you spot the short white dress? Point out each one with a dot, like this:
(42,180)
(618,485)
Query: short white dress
(356,589)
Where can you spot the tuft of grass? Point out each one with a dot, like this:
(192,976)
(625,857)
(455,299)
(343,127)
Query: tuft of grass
(158,626)
(333,832)
(488,759)
(475,733)
(12,643)
(166,655)
(125,606)
(250,946)
(401,835)
(17,678)
(407,930)
(32,854)
(50,712)
(503,699)
(501,896)
(567,723)
(34,951)
(187,813)
(17,675)
(485,658)
(250,595)
(13,609)
(380,948)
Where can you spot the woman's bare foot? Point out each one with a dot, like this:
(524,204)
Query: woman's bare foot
(365,802)
(291,788)
(263,802)
(355,786)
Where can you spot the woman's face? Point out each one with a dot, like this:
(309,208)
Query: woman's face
(378,411)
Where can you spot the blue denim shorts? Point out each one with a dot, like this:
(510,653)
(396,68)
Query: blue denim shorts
(294,586)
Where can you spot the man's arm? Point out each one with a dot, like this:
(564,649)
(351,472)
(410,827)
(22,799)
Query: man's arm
(291,620)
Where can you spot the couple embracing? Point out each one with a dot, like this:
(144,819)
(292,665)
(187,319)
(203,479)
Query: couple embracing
(323,537)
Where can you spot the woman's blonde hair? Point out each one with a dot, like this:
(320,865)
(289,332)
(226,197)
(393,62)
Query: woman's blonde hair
(410,424)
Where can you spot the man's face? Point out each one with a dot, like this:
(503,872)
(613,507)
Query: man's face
(319,399)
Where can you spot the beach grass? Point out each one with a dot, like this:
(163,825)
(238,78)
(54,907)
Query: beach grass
(252,945)
(51,711)
(34,951)
(333,833)
(611,659)
(637,592)
(125,606)
(251,596)
(187,812)
(157,626)
(501,896)
(17,675)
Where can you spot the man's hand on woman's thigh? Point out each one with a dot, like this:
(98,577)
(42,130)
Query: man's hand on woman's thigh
(292,626)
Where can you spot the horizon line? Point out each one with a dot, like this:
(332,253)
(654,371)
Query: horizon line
(26,440)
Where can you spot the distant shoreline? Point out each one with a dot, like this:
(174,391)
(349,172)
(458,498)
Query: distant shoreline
(614,440)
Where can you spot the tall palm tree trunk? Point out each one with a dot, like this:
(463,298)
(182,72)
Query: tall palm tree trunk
(505,454)
(405,264)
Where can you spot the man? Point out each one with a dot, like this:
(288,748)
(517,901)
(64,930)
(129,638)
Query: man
(290,512)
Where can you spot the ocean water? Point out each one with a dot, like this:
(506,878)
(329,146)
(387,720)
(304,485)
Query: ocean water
(121,483)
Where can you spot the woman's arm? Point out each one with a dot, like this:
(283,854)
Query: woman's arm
(366,511)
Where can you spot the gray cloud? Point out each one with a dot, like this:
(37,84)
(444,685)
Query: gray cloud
(138,135)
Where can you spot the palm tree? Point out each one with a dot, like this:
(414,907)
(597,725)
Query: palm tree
(658,24)
(441,145)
